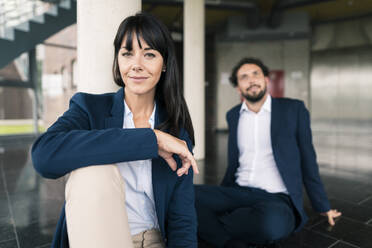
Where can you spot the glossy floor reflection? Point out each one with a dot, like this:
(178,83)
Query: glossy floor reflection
(30,205)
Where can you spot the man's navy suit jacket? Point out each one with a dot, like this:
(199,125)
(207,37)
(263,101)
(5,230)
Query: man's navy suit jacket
(91,133)
(293,152)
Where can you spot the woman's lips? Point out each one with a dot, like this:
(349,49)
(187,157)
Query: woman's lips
(138,79)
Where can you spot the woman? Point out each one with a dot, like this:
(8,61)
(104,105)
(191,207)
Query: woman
(125,182)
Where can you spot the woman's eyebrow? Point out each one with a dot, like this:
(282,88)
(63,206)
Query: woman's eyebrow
(146,48)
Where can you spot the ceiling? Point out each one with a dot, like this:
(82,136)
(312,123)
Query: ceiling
(262,11)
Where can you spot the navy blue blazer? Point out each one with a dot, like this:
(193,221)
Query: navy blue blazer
(293,151)
(91,132)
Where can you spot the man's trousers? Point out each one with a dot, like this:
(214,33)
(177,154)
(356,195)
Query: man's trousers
(248,214)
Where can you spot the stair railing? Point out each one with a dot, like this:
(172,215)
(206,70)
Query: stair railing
(15,12)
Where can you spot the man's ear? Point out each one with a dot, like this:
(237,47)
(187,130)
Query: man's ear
(267,80)
(241,97)
(238,90)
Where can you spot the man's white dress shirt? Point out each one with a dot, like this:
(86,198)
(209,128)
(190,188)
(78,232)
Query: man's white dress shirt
(257,167)
(139,193)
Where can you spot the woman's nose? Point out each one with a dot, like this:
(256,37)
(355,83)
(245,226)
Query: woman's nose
(137,63)
(137,67)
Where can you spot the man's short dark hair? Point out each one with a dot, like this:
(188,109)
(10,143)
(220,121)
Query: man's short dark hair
(234,79)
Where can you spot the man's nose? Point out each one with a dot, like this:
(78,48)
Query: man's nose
(251,81)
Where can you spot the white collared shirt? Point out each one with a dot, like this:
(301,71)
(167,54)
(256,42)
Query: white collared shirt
(257,167)
(139,194)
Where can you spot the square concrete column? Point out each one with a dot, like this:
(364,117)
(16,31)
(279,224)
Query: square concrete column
(97,23)
(194,75)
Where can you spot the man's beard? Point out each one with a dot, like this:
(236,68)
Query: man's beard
(254,98)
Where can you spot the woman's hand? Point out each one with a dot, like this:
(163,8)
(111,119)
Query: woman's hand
(169,145)
(331,214)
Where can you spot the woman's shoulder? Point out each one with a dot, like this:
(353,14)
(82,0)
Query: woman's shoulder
(82,97)
(87,101)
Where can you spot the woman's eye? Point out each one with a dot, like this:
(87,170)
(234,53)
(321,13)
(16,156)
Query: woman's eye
(126,54)
(150,55)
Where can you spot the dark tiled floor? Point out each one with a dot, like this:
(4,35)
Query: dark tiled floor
(30,205)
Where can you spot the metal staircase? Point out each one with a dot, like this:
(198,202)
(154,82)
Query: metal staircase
(27,23)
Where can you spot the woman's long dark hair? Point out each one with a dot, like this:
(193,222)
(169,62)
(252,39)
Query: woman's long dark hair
(168,90)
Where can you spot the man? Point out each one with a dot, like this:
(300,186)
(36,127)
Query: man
(270,157)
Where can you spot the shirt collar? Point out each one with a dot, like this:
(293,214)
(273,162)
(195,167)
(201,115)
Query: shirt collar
(128,112)
(266,106)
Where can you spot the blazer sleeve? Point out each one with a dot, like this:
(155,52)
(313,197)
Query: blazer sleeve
(70,143)
(181,214)
(310,171)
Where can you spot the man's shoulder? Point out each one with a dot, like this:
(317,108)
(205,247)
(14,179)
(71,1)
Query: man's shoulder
(233,110)
(285,102)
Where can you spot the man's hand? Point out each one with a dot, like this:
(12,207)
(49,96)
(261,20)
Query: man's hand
(169,145)
(332,214)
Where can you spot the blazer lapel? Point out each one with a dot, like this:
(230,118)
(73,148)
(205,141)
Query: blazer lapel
(117,111)
(233,143)
(159,186)
(159,174)
(275,120)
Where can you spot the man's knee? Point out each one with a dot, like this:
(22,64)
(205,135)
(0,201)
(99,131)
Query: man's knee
(273,227)
(203,194)
(259,228)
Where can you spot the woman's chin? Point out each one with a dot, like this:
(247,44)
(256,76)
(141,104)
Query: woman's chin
(139,91)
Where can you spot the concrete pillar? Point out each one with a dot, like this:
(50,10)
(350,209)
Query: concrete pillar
(194,79)
(97,23)
(32,77)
